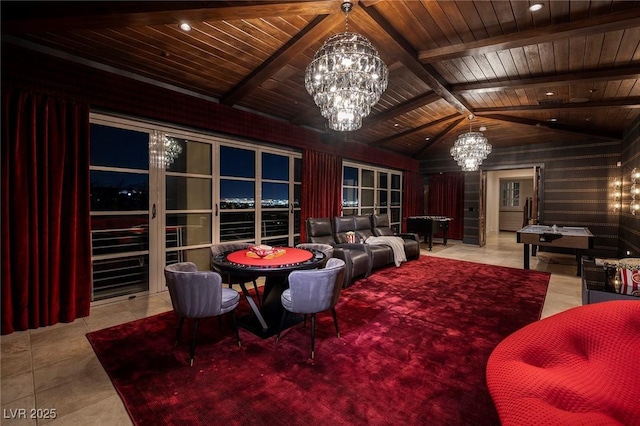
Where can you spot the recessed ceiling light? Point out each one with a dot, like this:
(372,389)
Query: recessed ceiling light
(185,26)
(396,125)
(536,7)
(427,138)
(482,129)
(550,93)
(553,119)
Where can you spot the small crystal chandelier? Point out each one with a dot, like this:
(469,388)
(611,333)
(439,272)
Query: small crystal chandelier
(172,149)
(346,78)
(470,149)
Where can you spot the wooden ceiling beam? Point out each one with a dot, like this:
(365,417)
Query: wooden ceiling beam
(412,131)
(316,30)
(616,21)
(625,73)
(370,17)
(566,128)
(404,107)
(619,103)
(438,137)
(134,14)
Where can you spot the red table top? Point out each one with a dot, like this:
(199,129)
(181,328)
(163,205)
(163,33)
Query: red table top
(291,256)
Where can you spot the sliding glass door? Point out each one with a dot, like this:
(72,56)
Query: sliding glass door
(162,195)
(120,199)
(188,206)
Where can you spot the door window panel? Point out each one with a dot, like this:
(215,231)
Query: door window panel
(367,197)
(200,256)
(297,169)
(383,180)
(297,191)
(237,194)
(116,147)
(118,191)
(395,181)
(382,198)
(350,197)
(187,156)
(237,162)
(119,234)
(185,193)
(275,195)
(274,224)
(119,276)
(237,226)
(188,229)
(350,176)
(368,178)
(395,198)
(275,167)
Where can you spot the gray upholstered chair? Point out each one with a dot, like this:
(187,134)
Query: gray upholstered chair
(231,279)
(198,294)
(327,249)
(312,291)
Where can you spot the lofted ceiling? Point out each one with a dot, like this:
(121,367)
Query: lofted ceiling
(569,70)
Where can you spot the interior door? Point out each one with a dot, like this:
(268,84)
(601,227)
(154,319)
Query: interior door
(482,208)
(537,176)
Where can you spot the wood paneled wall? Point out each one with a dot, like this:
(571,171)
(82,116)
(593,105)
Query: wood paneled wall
(576,190)
(629,224)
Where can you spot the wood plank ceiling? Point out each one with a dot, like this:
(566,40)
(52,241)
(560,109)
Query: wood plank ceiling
(569,70)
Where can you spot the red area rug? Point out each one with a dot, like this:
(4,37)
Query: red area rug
(414,346)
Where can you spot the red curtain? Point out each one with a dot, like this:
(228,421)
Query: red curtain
(446,198)
(46,242)
(413,199)
(321,186)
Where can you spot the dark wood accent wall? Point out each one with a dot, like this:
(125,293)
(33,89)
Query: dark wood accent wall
(471,208)
(629,224)
(577,183)
(107,91)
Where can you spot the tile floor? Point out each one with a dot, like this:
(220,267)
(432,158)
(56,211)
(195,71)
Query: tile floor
(53,370)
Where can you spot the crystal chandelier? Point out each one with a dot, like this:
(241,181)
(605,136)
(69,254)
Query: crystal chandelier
(470,149)
(346,78)
(166,155)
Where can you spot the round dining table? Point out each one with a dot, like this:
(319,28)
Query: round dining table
(264,320)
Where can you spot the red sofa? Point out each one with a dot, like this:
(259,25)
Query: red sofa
(578,367)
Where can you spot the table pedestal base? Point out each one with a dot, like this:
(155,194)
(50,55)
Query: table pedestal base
(264,322)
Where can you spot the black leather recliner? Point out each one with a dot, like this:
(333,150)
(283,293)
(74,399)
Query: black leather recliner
(380,227)
(356,256)
(381,255)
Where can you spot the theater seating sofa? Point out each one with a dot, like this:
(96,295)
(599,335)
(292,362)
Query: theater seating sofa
(334,231)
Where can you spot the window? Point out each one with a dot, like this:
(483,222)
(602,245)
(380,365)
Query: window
(367,190)
(510,194)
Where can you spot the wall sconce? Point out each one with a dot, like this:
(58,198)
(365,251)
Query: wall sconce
(617,196)
(634,206)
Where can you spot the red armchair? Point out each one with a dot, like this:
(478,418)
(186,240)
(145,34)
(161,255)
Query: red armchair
(578,367)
